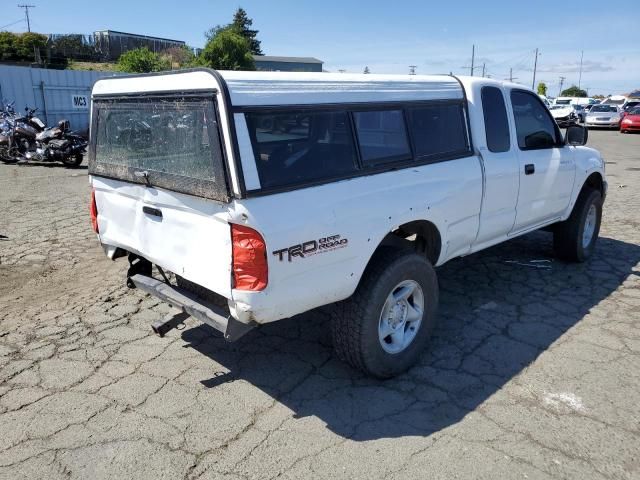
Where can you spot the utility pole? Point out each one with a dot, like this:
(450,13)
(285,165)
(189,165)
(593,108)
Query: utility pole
(562,79)
(580,77)
(473,57)
(484,68)
(412,69)
(26,13)
(535,67)
(511,77)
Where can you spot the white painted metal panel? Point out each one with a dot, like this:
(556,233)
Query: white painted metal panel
(293,88)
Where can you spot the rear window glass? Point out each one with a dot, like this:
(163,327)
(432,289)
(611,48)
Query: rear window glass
(167,142)
(438,130)
(298,147)
(382,136)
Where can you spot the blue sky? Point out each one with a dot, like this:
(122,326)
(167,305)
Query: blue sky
(389,36)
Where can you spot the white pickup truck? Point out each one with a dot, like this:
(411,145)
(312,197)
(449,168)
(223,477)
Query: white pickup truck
(261,195)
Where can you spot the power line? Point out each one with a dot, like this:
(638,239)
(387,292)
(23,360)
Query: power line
(26,13)
(12,23)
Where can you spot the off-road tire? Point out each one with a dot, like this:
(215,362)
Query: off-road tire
(355,320)
(567,235)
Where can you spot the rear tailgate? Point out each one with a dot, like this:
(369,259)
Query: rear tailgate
(192,237)
(160,182)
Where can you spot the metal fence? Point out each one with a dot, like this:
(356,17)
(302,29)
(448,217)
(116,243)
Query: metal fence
(58,94)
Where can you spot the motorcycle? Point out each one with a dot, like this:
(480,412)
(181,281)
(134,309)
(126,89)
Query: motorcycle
(18,134)
(26,138)
(59,144)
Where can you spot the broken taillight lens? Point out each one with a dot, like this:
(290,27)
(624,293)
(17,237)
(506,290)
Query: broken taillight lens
(250,270)
(93,211)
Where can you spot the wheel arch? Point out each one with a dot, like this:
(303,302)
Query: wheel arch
(422,236)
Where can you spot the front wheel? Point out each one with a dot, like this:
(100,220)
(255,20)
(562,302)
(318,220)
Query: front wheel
(575,239)
(383,328)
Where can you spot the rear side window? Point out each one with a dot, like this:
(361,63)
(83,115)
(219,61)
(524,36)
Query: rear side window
(438,130)
(298,147)
(382,136)
(535,126)
(496,123)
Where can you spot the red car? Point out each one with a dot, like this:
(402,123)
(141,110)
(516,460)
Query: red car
(630,121)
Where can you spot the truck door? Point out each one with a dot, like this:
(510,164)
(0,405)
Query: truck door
(501,169)
(547,167)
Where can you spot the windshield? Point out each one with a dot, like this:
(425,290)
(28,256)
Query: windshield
(170,142)
(614,102)
(563,102)
(604,108)
(635,111)
(558,107)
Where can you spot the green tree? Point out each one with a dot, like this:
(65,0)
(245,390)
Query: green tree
(241,24)
(573,91)
(7,46)
(227,50)
(366,70)
(542,89)
(141,60)
(178,57)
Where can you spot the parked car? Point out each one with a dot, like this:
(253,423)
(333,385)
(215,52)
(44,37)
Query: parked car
(564,115)
(630,105)
(630,121)
(603,115)
(617,100)
(298,190)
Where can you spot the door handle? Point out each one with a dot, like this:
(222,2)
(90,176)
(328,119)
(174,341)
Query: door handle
(529,169)
(156,212)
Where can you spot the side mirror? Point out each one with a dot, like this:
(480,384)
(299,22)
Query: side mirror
(577,135)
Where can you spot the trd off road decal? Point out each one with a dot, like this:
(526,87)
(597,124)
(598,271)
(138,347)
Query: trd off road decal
(312,247)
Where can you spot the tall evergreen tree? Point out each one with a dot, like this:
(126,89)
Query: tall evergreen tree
(241,23)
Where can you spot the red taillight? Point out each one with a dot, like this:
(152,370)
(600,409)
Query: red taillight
(93,211)
(250,270)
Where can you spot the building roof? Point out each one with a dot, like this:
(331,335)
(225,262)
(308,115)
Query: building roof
(272,58)
(146,37)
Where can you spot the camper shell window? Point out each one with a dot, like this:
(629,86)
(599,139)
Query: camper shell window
(305,145)
(168,141)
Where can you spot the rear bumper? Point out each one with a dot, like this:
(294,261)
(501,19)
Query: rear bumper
(190,304)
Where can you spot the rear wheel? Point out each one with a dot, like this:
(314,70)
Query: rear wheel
(574,239)
(383,328)
(73,162)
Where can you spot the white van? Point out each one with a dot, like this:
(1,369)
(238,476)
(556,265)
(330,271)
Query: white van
(262,195)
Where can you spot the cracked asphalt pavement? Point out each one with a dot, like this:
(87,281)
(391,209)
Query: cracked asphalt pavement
(533,371)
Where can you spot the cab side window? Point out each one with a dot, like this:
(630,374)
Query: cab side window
(496,123)
(535,127)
